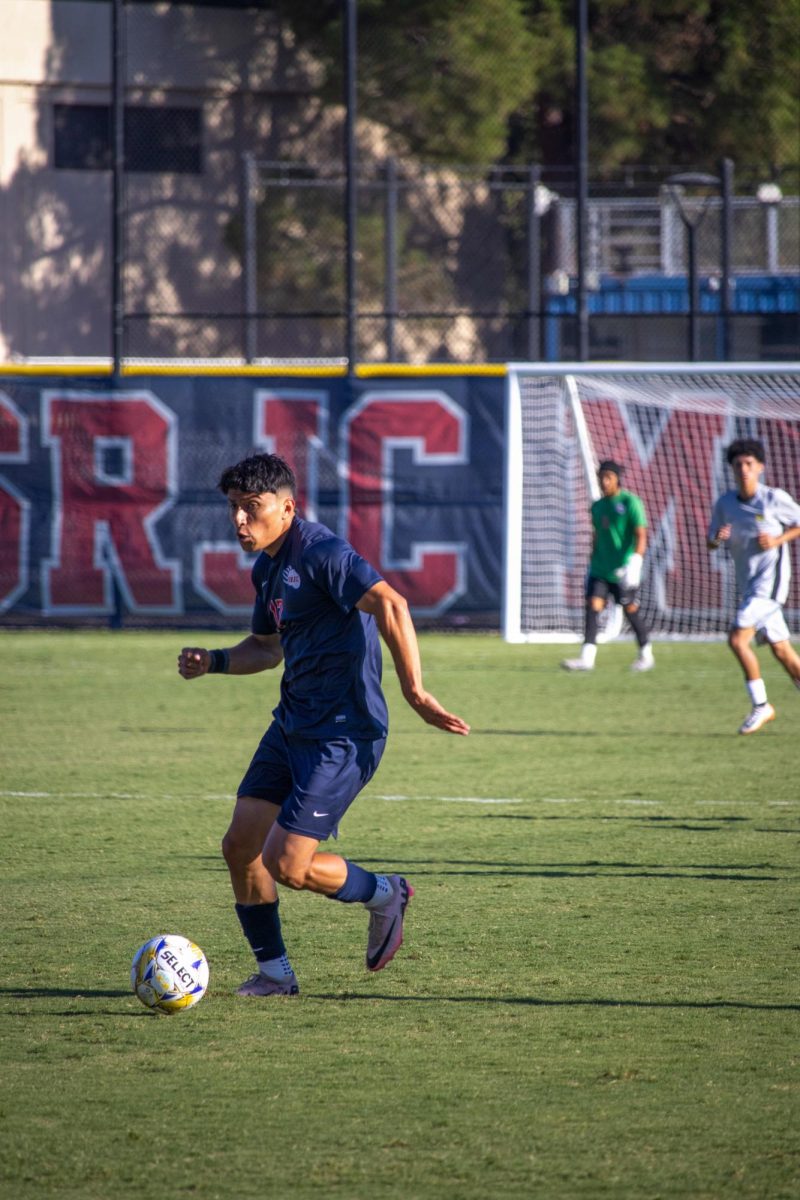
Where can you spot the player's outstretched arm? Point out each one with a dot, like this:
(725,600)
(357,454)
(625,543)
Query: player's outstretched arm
(258,652)
(390,610)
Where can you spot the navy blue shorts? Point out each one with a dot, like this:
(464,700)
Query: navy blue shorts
(312,782)
(605,588)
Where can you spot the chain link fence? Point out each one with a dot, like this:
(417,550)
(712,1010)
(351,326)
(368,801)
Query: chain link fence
(233,224)
(452,266)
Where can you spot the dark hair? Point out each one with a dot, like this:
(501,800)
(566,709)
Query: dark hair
(258,473)
(609,465)
(748,446)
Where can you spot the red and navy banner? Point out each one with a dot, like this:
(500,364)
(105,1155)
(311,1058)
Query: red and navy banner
(109,507)
(675,461)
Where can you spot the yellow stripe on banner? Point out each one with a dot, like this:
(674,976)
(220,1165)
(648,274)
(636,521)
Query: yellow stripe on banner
(363,371)
(400,370)
(242,371)
(53,369)
(252,370)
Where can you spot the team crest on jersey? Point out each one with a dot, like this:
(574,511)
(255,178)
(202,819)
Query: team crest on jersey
(620,508)
(276,609)
(290,577)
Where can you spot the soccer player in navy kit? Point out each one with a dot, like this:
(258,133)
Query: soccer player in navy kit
(319,607)
(757,522)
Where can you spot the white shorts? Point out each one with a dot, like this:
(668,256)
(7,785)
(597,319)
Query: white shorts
(766,617)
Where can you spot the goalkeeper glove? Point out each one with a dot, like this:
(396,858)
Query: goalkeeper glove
(631,574)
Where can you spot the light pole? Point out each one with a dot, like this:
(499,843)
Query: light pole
(675,186)
(770,196)
(582,173)
(349,16)
(540,201)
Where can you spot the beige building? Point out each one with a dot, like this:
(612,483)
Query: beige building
(204,86)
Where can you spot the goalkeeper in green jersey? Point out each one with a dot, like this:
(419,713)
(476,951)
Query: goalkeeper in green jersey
(619,525)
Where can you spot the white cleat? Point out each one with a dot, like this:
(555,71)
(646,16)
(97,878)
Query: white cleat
(575,664)
(757,717)
(643,664)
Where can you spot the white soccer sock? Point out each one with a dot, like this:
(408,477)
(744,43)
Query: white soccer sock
(757,691)
(382,894)
(646,652)
(588,653)
(276,969)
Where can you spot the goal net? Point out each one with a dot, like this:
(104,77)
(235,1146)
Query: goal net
(668,426)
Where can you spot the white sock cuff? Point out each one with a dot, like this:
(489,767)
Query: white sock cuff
(757,690)
(276,969)
(383,893)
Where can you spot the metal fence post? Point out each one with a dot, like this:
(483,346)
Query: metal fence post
(534,267)
(390,250)
(694,293)
(117,187)
(117,614)
(249,257)
(350,164)
(726,251)
(582,174)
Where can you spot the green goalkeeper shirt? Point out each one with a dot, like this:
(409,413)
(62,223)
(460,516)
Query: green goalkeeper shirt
(615,520)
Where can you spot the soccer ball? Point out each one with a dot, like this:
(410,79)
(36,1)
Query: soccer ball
(169,973)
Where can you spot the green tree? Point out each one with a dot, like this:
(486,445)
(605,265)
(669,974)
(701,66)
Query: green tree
(671,82)
(442,76)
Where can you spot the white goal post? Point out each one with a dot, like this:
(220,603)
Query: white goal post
(668,424)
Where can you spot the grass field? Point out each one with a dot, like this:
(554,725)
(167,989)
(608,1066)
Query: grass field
(598,996)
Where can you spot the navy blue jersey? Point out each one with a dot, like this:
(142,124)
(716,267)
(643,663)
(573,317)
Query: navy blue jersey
(307,593)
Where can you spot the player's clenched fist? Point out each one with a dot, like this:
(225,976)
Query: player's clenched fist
(193,662)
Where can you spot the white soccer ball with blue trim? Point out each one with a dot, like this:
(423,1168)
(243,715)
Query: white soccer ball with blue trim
(169,973)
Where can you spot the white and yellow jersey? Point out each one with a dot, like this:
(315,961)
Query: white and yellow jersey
(760,574)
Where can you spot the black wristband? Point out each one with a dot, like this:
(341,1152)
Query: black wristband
(219,662)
